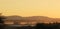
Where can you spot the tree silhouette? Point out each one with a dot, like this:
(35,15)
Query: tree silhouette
(1,22)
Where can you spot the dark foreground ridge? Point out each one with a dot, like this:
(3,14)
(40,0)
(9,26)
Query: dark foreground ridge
(38,26)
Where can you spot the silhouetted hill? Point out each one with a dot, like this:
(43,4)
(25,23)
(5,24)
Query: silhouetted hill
(34,18)
(13,17)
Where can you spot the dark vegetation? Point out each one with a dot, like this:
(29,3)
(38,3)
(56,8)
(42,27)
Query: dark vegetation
(48,26)
(38,26)
(2,23)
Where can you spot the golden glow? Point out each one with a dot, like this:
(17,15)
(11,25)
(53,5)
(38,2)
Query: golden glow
(50,8)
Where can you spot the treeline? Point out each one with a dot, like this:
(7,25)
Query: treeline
(39,26)
(47,26)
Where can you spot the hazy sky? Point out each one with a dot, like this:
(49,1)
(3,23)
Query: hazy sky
(50,8)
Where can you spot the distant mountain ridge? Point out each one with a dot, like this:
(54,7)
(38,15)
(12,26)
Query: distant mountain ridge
(34,18)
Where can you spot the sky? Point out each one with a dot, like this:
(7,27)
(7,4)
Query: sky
(25,8)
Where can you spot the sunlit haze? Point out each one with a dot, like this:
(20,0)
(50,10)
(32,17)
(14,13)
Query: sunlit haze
(50,8)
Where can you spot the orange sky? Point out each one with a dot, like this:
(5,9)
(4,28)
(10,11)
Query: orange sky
(50,8)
